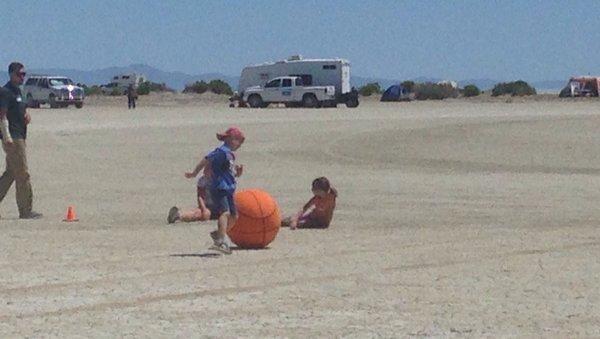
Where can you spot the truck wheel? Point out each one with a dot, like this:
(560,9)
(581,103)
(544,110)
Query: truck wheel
(32,103)
(52,101)
(79,105)
(352,103)
(255,101)
(310,101)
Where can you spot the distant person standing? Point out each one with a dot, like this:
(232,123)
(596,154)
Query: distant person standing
(131,96)
(13,128)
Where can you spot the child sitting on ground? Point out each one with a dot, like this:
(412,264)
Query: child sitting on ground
(318,211)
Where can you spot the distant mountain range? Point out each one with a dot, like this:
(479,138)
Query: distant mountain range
(178,80)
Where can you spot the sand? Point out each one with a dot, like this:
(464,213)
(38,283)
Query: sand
(455,218)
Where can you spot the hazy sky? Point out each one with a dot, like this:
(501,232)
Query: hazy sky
(533,40)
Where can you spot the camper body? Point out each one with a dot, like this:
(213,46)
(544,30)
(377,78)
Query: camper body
(313,72)
(121,82)
(124,80)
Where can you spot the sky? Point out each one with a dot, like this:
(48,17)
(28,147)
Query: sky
(504,40)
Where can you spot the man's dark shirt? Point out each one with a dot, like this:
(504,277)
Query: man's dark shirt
(12,101)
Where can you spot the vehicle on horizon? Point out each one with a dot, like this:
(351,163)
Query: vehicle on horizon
(583,86)
(291,92)
(120,83)
(56,91)
(313,72)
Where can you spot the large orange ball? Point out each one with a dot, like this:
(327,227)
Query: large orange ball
(258,219)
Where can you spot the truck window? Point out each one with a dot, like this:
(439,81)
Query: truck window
(60,81)
(286,83)
(30,81)
(306,78)
(329,67)
(299,82)
(273,83)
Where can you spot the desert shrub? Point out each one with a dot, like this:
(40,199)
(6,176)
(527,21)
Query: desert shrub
(218,86)
(116,92)
(144,88)
(515,88)
(369,89)
(93,90)
(409,85)
(471,91)
(148,86)
(431,91)
(198,87)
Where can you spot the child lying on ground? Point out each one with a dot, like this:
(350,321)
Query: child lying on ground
(318,211)
(202,212)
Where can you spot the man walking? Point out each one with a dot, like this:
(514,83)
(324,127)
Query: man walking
(131,96)
(13,129)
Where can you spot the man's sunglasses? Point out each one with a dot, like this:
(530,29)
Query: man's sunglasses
(21,74)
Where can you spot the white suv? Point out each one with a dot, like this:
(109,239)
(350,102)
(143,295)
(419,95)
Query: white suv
(57,91)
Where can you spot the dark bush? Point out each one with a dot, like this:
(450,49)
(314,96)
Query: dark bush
(218,86)
(148,86)
(431,91)
(93,90)
(471,91)
(409,85)
(116,92)
(198,87)
(369,89)
(515,88)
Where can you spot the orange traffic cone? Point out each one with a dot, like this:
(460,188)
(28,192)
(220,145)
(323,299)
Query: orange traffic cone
(71,215)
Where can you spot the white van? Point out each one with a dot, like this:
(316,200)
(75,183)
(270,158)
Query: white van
(313,72)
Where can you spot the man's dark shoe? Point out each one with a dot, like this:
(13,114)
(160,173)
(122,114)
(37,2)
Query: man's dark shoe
(31,215)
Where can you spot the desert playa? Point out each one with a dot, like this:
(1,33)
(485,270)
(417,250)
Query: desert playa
(455,218)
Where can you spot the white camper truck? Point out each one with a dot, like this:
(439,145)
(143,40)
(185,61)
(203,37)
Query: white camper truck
(122,81)
(313,72)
